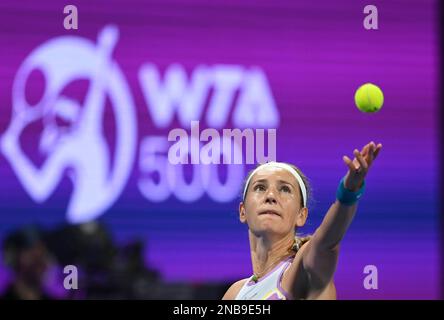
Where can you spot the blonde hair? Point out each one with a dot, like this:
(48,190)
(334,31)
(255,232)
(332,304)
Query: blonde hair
(299,241)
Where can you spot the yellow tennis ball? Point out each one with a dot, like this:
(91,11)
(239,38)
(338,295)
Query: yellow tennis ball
(369,98)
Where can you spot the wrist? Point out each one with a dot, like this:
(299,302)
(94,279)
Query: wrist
(349,197)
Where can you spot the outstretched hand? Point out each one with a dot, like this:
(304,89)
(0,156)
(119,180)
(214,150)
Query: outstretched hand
(359,166)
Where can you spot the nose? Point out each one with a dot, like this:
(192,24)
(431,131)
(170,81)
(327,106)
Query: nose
(270,197)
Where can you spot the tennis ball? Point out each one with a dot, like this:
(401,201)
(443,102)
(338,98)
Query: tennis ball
(369,98)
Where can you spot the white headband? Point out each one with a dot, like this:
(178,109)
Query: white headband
(282,166)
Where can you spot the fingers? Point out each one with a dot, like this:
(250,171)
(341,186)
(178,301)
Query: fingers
(370,156)
(360,158)
(365,149)
(374,151)
(363,159)
(378,149)
(349,163)
(371,147)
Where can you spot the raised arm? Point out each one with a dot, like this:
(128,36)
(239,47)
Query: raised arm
(320,257)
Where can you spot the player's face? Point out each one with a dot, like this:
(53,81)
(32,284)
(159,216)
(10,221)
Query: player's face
(273,202)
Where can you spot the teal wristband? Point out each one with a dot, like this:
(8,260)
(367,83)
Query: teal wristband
(348,197)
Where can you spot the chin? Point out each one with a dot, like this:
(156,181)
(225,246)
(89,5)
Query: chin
(268,227)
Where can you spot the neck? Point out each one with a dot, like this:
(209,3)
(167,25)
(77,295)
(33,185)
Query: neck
(266,253)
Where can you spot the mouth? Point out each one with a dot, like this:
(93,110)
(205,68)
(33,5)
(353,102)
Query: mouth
(269,212)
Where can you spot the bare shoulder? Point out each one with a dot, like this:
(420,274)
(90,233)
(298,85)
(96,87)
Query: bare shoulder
(300,283)
(234,290)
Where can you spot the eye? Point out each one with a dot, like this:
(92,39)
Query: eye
(259,187)
(286,189)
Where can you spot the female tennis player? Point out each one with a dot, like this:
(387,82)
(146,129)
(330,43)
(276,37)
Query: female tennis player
(274,206)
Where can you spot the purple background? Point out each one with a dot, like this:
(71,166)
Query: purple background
(315,55)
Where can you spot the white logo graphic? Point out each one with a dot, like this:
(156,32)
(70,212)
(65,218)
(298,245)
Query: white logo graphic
(174,95)
(98,179)
(237,96)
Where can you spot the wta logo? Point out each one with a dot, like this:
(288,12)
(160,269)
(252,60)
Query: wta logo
(79,145)
(72,138)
